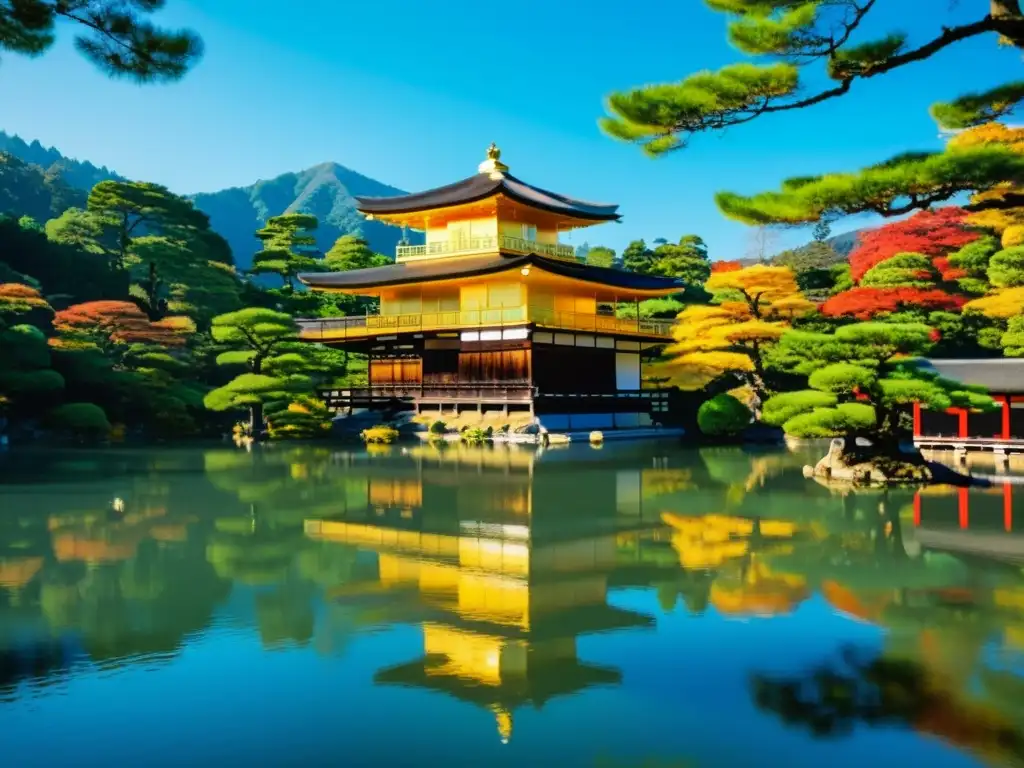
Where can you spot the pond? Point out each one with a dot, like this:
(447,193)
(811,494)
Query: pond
(630,605)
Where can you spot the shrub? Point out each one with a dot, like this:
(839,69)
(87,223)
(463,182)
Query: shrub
(722,415)
(438,428)
(382,434)
(82,420)
(475,435)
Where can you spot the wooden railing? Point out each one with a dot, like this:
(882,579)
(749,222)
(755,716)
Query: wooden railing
(483,245)
(363,326)
(654,401)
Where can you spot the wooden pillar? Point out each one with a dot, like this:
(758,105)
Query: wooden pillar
(917,508)
(962,428)
(1006,417)
(1008,506)
(963,506)
(917,419)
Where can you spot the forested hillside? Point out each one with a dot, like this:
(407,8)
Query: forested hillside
(42,182)
(326,191)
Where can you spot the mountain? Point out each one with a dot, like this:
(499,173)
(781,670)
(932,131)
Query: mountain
(326,191)
(42,183)
(75,173)
(28,190)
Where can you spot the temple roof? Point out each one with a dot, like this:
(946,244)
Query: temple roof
(429,270)
(482,186)
(999,375)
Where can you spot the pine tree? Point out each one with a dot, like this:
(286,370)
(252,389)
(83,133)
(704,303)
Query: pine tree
(115,35)
(861,378)
(288,247)
(793,38)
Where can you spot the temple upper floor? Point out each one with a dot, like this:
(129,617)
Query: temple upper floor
(489,212)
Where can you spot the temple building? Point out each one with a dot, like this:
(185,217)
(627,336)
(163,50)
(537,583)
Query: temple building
(1003,379)
(493,312)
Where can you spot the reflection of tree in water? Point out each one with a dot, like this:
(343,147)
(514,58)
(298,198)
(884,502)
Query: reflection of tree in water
(142,606)
(831,699)
(262,543)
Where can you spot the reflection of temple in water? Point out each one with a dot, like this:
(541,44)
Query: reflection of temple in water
(970,521)
(503,565)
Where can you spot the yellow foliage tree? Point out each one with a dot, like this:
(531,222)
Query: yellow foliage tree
(1004,304)
(729,337)
(1008,222)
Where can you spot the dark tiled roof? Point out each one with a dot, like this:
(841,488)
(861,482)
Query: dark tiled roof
(480,187)
(997,375)
(429,270)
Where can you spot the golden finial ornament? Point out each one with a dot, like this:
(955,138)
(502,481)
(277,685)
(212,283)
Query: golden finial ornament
(493,165)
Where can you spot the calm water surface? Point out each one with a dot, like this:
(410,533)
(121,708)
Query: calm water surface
(636,605)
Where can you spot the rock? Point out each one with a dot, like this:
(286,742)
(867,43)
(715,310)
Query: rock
(596,437)
(873,470)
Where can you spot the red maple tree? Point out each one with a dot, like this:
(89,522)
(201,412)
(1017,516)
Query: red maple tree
(865,302)
(725,266)
(933,233)
(121,322)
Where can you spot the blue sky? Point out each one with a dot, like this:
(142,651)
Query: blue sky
(411,93)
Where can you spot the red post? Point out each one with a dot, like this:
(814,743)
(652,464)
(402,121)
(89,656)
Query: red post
(1008,506)
(1006,418)
(917,419)
(917,507)
(963,422)
(962,506)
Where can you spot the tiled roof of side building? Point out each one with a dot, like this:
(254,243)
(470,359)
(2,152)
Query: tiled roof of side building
(482,186)
(429,270)
(997,375)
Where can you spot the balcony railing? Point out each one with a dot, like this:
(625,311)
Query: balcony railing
(365,326)
(486,245)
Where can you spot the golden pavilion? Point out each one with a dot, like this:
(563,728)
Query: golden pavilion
(492,311)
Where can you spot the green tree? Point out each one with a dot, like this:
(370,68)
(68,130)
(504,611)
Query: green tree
(795,38)
(288,247)
(861,381)
(904,270)
(352,252)
(261,341)
(84,230)
(1006,268)
(686,260)
(1013,340)
(973,260)
(799,36)
(130,207)
(637,257)
(115,35)
(26,376)
(601,256)
(178,274)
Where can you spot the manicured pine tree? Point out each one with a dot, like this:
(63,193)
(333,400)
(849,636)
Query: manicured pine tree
(862,377)
(262,342)
(288,247)
(352,252)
